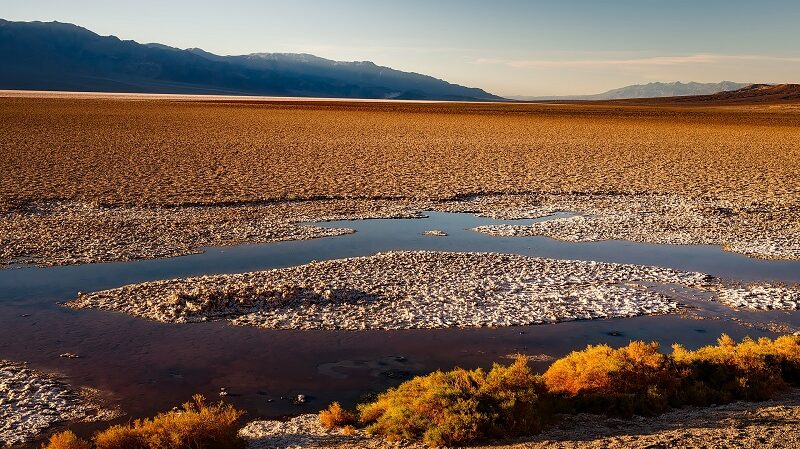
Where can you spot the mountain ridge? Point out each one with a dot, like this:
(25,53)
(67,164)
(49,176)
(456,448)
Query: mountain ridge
(63,56)
(751,94)
(649,90)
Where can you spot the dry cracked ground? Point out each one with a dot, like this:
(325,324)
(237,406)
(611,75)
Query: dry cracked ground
(95,179)
(98,179)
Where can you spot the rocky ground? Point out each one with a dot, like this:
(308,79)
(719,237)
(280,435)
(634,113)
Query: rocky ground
(31,402)
(770,424)
(61,233)
(423,289)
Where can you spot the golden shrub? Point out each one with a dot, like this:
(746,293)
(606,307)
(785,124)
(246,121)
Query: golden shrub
(197,425)
(66,440)
(752,369)
(603,370)
(458,406)
(336,416)
(462,406)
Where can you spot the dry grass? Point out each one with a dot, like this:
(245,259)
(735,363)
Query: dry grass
(197,425)
(162,152)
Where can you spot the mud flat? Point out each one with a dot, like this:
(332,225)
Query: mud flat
(107,178)
(773,424)
(158,152)
(422,289)
(31,402)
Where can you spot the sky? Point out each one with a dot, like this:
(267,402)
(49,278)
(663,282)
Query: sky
(508,47)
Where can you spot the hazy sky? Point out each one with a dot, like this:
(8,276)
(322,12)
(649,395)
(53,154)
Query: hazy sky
(507,47)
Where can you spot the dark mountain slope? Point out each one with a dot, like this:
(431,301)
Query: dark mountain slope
(59,56)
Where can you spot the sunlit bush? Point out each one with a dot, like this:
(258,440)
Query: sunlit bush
(336,416)
(67,440)
(459,406)
(632,379)
(197,425)
(751,370)
(463,406)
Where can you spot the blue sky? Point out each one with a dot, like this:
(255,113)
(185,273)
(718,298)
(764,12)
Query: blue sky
(509,47)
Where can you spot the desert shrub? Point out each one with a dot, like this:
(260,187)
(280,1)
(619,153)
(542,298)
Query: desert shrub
(121,437)
(197,425)
(750,370)
(336,416)
(66,440)
(633,379)
(459,406)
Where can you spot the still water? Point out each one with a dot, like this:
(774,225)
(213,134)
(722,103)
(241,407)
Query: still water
(147,367)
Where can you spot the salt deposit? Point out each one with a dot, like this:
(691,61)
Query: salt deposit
(303,431)
(754,230)
(404,290)
(32,402)
(63,233)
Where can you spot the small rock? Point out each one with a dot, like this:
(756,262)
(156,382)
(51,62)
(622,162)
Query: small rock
(300,399)
(69,355)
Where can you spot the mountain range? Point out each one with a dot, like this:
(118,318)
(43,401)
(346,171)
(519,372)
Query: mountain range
(650,90)
(62,56)
(752,94)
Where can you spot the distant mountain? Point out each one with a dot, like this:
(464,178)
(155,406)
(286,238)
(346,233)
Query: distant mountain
(61,56)
(650,90)
(751,94)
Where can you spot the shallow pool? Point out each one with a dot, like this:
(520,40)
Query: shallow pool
(148,366)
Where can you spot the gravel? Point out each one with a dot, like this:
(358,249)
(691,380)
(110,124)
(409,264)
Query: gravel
(299,432)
